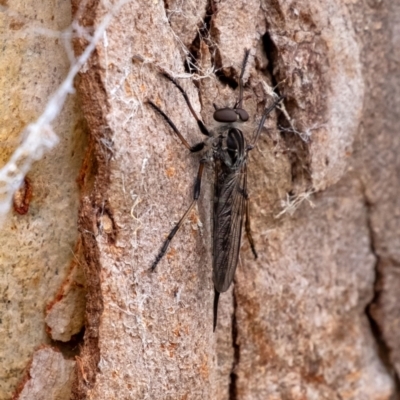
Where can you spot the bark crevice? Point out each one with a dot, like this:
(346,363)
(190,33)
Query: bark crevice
(382,347)
(72,348)
(203,34)
(298,149)
(94,180)
(270,52)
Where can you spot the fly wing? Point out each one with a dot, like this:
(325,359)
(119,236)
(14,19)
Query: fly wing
(229,209)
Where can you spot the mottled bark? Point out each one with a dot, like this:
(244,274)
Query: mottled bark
(297,322)
(316,315)
(297,325)
(38,269)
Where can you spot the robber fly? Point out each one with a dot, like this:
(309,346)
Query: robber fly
(227,151)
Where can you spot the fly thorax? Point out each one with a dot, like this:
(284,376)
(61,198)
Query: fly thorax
(233,148)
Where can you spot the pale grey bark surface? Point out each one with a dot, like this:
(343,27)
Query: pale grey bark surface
(38,237)
(296,324)
(316,315)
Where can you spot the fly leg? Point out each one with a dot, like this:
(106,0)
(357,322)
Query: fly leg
(197,147)
(266,112)
(239,103)
(247,226)
(182,220)
(200,123)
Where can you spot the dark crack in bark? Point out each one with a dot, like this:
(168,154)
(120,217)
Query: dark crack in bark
(72,348)
(203,34)
(166,7)
(270,52)
(297,149)
(382,347)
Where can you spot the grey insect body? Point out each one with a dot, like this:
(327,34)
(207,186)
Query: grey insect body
(227,151)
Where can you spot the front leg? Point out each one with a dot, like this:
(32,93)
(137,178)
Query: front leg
(197,147)
(171,235)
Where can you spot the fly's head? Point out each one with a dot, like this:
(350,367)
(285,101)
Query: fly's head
(229,115)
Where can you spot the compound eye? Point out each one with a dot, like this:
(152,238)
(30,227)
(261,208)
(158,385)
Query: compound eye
(225,115)
(243,115)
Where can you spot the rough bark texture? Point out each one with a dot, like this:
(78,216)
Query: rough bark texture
(50,376)
(316,316)
(297,324)
(38,237)
(379,164)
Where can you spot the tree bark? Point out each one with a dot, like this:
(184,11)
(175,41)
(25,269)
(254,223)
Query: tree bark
(39,274)
(297,323)
(316,315)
